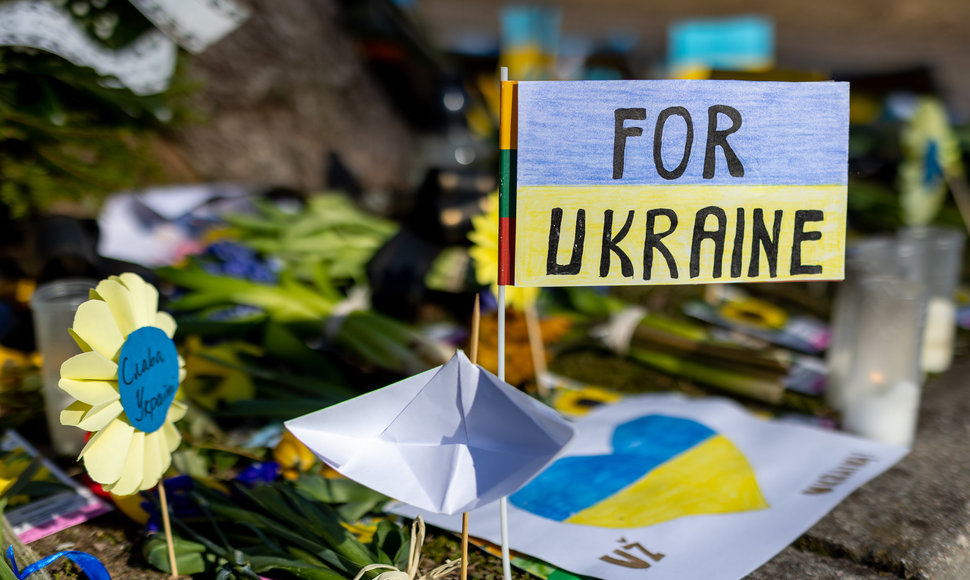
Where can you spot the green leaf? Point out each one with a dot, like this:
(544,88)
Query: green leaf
(391,541)
(188,555)
(329,490)
(298,568)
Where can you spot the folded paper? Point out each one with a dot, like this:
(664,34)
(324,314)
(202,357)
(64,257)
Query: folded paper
(446,440)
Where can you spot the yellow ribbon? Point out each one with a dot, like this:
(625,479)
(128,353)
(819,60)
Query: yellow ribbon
(414,559)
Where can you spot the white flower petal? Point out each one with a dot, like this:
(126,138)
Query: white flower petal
(153,467)
(91,392)
(89,365)
(133,472)
(118,299)
(107,451)
(101,415)
(73,413)
(94,324)
(165,321)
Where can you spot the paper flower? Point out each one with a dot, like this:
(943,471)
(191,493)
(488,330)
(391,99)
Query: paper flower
(124,382)
(931,152)
(484,254)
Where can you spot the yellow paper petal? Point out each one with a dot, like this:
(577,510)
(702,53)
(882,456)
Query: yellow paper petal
(94,324)
(91,392)
(107,451)
(101,415)
(176,412)
(164,453)
(118,299)
(73,413)
(143,303)
(165,321)
(153,465)
(172,436)
(133,472)
(151,302)
(89,365)
(80,341)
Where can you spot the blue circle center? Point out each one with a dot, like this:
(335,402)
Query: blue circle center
(148,376)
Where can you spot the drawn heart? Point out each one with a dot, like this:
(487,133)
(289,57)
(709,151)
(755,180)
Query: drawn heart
(148,376)
(661,468)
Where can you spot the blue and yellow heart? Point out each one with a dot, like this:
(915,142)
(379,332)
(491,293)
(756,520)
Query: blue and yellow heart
(661,468)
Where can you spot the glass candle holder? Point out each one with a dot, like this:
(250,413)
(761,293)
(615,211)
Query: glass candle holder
(53,306)
(882,397)
(863,259)
(934,257)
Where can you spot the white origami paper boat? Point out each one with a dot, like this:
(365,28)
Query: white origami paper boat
(446,440)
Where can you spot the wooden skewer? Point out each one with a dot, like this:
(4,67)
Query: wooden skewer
(473,352)
(168,530)
(961,195)
(534,330)
(476,325)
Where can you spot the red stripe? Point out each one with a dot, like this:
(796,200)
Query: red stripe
(506,250)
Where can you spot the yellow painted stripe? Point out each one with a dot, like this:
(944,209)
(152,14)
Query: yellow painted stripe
(508,122)
(711,478)
(535,205)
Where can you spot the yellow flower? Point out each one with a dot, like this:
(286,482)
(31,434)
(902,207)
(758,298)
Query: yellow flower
(578,402)
(754,312)
(10,469)
(293,456)
(931,153)
(120,456)
(484,253)
(210,383)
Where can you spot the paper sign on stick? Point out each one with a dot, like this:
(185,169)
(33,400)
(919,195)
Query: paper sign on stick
(678,182)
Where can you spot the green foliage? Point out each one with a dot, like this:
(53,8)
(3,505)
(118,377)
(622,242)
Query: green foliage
(188,555)
(330,238)
(293,527)
(64,135)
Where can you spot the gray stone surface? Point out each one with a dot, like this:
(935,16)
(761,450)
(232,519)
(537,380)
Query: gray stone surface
(280,93)
(793,563)
(911,522)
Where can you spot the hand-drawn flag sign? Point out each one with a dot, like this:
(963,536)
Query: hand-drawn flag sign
(673,182)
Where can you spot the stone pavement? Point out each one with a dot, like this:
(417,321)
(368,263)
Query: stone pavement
(911,522)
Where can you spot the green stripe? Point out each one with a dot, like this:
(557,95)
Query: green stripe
(508,160)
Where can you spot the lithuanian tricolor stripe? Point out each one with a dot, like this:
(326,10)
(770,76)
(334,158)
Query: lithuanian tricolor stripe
(507,172)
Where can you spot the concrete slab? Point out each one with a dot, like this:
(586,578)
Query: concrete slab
(793,563)
(914,520)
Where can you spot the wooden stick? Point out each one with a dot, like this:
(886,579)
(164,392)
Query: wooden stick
(464,546)
(473,350)
(961,195)
(168,530)
(476,326)
(534,330)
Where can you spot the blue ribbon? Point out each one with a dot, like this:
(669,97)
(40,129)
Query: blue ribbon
(90,565)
